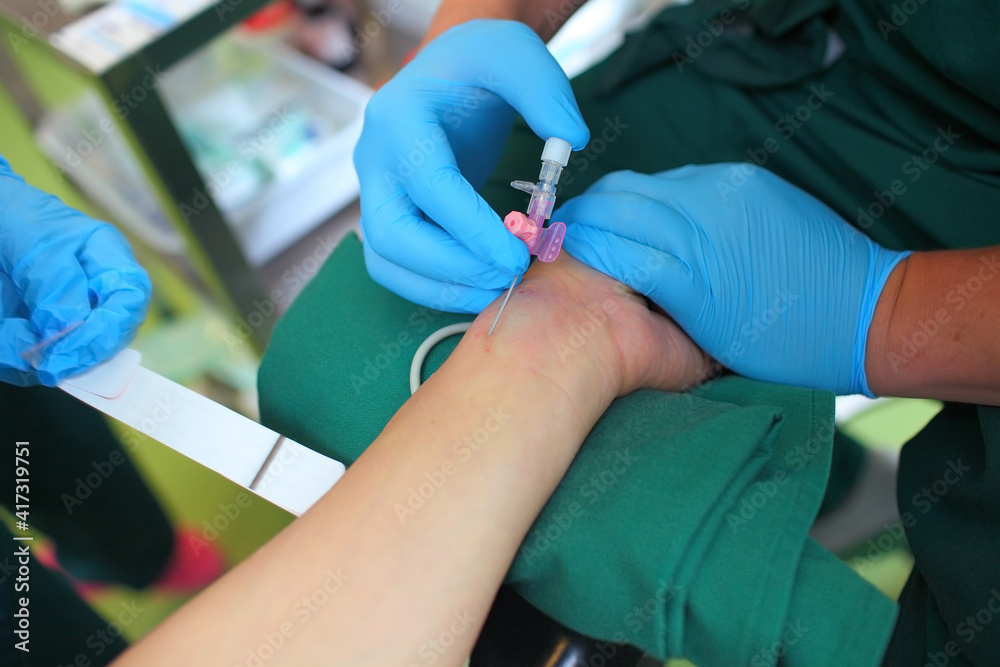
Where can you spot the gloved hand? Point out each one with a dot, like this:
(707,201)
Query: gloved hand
(761,275)
(431,136)
(59,268)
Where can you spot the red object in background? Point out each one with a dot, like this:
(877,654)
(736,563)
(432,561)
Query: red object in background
(193,565)
(410,56)
(273,15)
(403,63)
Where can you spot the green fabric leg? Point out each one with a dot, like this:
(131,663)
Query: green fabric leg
(63,627)
(845,467)
(89,498)
(948,503)
(821,620)
(85,492)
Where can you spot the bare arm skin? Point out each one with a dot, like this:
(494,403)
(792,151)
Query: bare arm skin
(502,420)
(936,328)
(545,17)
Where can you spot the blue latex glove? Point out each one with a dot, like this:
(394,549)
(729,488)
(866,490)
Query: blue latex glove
(59,267)
(764,277)
(434,133)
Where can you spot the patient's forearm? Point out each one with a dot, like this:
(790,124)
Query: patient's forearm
(412,544)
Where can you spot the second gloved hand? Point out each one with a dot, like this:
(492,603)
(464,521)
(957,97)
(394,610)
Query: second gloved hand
(764,277)
(431,136)
(61,270)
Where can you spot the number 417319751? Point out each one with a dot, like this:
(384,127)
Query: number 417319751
(22,474)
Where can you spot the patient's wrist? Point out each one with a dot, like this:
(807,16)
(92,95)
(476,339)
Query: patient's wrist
(544,331)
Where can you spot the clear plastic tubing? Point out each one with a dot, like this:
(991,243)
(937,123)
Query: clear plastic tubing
(555,156)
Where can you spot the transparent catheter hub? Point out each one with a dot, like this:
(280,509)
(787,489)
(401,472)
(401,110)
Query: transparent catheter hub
(545,243)
(548,240)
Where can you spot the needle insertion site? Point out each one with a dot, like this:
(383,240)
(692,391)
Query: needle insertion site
(547,240)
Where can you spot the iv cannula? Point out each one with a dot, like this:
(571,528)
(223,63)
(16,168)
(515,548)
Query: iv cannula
(503,305)
(555,156)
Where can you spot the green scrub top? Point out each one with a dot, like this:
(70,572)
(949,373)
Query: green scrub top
(889,112)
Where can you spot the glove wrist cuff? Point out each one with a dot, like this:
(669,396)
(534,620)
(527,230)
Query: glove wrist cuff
(882,264)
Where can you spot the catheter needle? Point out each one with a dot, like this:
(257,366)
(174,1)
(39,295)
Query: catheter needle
(34,354)
(502,306)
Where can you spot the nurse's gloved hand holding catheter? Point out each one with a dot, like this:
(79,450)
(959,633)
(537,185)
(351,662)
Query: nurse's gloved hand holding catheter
(766,278)
(778,287)
(431,136)
(71,292)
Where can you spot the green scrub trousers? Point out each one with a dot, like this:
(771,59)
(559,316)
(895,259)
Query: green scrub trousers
(87,496)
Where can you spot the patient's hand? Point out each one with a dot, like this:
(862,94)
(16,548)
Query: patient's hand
(568,311)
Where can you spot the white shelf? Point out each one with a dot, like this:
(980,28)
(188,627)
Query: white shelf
(275,197)
(107,35)
(299,191)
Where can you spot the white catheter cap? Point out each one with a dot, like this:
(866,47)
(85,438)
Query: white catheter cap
(557,150)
